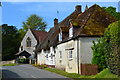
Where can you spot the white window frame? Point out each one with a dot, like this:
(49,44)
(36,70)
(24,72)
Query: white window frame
(70,55)
(71,32)
(60,52)
(60,36)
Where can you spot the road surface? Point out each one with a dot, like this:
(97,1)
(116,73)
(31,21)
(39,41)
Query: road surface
(28,71)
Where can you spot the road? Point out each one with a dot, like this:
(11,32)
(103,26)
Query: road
(28,71)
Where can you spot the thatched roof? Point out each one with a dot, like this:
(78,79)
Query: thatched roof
(93,21)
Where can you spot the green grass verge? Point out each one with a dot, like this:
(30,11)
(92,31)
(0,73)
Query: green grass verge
(103,74)
(12,64)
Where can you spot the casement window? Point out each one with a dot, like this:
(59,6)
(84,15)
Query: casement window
(60,36)
(60,54)
(71,32)
(70,54)
(28,42)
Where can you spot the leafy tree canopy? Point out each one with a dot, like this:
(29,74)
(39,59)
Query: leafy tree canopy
(112,11)
(10,42)
(33,22)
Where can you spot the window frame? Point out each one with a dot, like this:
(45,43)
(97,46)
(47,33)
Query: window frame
(70,56)
(60,52)
(28,42)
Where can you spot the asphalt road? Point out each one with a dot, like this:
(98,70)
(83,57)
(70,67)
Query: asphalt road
(28,71)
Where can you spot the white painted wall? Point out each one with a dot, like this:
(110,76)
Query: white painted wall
(44,57)
(85,49)
(41,59)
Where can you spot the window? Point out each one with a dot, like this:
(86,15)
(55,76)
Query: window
(70,54)
(71,32)
(60,36)
(21,48)
(28,42)
(60,54)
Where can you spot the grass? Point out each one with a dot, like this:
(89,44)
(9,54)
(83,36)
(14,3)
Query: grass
(103,74)
(12,64)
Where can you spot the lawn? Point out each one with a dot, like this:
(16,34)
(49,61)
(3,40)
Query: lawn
(12,64)
(103,74)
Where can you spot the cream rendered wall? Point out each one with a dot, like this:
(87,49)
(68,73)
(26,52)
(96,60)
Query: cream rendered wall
(85,49)
(85,54)
(33,42)
(61,63)
(71,65)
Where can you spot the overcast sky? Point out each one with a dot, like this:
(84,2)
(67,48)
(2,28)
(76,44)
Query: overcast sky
(14,13)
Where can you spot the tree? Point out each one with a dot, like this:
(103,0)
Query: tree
(10,42)
(33,22)
(112,11)
(112,37)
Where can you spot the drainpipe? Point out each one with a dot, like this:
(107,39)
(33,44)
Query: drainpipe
(78,55)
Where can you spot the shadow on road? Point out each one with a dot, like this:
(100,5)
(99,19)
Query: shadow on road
(9,75)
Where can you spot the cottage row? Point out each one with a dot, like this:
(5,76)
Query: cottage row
(67,45)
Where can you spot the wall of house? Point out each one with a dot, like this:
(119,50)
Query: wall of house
(64,63)
(85,49)
(85,54)
(41,59)
(71,65)
(60,63)
(33,42)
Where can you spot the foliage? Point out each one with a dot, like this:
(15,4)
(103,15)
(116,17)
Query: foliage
(112,36)
(112,11)
(33,22)
(10,42)
(22,60)
(40,66)
(105,74)
(106,51)
(99,56)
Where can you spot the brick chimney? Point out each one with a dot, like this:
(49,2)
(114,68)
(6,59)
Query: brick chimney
(78,8)
(55,22)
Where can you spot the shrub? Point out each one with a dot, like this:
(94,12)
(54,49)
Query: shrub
(99,56)
(106,52)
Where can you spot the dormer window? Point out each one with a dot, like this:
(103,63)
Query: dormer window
(60,36)
(71,32)
(28,42)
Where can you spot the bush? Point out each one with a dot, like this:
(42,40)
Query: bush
(112,36)
(106,52)
(99,56)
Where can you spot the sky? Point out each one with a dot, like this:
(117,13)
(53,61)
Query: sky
(14,13)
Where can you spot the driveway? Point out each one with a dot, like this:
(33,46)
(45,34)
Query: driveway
(28,71)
